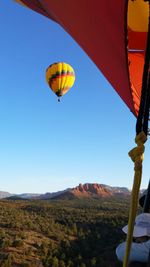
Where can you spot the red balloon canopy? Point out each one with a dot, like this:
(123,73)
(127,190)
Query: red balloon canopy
(108,36)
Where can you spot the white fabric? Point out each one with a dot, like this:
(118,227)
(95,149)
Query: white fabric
(142,225)
(138,231)
(139,251)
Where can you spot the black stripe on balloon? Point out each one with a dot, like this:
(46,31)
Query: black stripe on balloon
(62,73)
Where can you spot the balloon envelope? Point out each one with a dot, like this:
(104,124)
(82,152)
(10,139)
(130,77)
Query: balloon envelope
(111,34)
(60,77)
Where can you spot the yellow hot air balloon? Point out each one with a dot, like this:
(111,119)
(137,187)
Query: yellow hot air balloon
(60,78)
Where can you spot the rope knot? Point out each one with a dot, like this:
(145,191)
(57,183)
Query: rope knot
(136,154)
(141,138)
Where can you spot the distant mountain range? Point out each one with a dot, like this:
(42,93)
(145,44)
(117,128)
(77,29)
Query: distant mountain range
(93,190)
(4,194)
(88,190)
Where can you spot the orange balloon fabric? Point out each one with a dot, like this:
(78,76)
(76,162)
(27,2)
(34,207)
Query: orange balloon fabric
(111,34)
(137,35)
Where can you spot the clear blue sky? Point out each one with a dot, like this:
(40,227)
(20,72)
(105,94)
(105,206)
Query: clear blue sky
(47,146)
